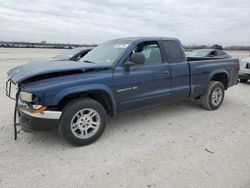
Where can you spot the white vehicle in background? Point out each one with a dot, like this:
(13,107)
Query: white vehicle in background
(244,74)
(208,53)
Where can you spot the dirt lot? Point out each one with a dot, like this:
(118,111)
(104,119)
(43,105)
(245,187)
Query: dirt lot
(161,146)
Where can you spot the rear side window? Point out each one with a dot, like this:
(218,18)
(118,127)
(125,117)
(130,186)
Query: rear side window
(213,54)
(219,52)
(173,51)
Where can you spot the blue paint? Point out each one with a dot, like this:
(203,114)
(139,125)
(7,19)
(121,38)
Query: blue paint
(131,88)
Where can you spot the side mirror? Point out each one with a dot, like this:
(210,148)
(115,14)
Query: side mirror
(137,58)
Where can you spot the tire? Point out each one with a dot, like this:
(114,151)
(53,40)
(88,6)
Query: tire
(215,91)
(243,80)
(77,126)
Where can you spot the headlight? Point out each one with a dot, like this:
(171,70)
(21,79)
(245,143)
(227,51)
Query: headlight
(27,97)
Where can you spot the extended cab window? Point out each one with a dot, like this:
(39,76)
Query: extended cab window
(174,52)
(213,53)
(151,52)
(220,52)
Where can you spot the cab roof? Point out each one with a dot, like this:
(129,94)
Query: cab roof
(142,39)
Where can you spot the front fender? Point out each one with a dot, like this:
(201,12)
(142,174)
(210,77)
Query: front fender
(85,88)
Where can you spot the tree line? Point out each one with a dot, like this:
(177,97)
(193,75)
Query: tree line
(216,46)
(42,44)
(45,44)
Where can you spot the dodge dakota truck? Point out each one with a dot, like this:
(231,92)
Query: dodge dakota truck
(116,76)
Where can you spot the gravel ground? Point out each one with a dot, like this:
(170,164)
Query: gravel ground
(170,145)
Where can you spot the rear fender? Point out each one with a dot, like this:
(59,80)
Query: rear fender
(219,71)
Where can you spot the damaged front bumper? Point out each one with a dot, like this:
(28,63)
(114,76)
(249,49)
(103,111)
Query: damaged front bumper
(29,121)
(43,121)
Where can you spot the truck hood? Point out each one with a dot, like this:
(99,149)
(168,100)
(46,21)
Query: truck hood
(41,68)
(46,60)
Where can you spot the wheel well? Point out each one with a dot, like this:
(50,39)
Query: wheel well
(100,96)
(221,77)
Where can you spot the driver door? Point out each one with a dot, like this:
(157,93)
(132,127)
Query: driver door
(142,84)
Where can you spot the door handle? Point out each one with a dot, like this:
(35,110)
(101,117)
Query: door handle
(165,72)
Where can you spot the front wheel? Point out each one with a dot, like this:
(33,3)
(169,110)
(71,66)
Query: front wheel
(83,121)
(214,96)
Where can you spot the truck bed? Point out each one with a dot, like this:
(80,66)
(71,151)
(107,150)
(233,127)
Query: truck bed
(201,72)
(203,58)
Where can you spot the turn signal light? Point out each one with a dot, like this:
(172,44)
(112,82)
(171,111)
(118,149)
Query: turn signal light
(39,110)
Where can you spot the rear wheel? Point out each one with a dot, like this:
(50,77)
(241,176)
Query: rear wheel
(243,80)
(83,121)
(214,96)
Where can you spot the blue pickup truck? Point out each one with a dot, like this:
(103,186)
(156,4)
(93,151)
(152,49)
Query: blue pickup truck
(116,76)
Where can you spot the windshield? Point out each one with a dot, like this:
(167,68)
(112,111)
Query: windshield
(66,55)
(106,53)
(198,53)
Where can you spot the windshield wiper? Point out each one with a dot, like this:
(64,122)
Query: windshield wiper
(86,61)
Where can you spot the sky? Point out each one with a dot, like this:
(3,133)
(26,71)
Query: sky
(226,22)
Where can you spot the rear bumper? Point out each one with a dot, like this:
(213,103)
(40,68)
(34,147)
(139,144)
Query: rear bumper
(45,121)
(244,76)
